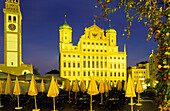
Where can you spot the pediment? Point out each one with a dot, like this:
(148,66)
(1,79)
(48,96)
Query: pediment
(94,28)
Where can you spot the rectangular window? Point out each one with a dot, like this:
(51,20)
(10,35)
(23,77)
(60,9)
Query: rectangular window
(101,50)
(96,43)
(69,65)
(84,73)
(78,73)
(93,64)
(69,73)
(88,50)
(115,74)
(111,74)
(73,73)
(122,58)
(92,43)
(64,55)
(73,64)
(105,44)
(69,56)
(88,43)
(93,50)
(64,64)
(101,73)
(97,64)
(115,66)
(110,65)
(118,66)
(110,57)
(84,43)
(105,73)
(84,57)
(118,74)
(73,55)
(97,73)
(96,50)
(88,64)
(88,73)
(119,58)
(122,74)
(9,19)
(64,73)
(100,43)
(84,64)
(101,65)
(105,64)
(78,65)
(84,49)
(114,57)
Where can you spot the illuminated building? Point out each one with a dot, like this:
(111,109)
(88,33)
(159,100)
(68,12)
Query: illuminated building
(95,54)
(153,70)
(141,71)
(13,63)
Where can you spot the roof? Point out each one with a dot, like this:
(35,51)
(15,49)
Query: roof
(110,29)
(65,25)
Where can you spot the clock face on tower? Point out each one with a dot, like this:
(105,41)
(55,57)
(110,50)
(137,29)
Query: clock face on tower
(12,27)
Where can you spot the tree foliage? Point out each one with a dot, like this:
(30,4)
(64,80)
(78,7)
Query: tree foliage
(156,15)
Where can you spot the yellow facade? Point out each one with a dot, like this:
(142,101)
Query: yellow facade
(12,40)
(95,54)
(140,71)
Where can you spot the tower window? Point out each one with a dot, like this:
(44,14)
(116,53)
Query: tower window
(9,19)
(14,19)
(12,63)
(16,0)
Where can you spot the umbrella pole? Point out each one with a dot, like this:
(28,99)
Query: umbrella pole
(54,102)
(69,96)
(101,98)
(0,102)
(131,104)
(35,102)
(18,100)
(90,102)
(75,97)
(138,97)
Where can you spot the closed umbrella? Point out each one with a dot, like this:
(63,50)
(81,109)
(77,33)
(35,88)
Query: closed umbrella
(130,92)
(92,90)
(76,89)
(139,90)
(42,87)
(125,86)
(8,88)
(33,91)
(106,89)
(53,91)
(82,86)
(101,90)
(17,92)
(109,86)
(68,88)
(119,85)
(1,92)
(57,84)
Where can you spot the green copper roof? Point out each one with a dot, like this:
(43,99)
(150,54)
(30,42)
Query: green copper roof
(110,29)
(65,25)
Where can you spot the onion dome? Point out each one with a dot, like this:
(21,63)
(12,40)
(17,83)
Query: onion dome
(65,25)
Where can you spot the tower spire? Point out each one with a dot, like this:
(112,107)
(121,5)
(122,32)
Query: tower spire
(65,20)
(124,47)
(109,23)
(94,22)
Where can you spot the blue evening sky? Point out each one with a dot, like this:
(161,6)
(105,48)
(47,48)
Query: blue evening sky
(40,31)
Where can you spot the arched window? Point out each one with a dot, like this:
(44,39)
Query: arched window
(9,18)
(17,1)
(14,19)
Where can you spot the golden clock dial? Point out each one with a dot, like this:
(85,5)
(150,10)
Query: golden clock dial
(12,27)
